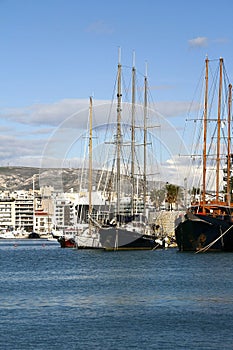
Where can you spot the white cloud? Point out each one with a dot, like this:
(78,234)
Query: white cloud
(203,41)
(42,131)
(46,114)
(15,150)
(175,108)
(48,135)
(56,113)
(200,41)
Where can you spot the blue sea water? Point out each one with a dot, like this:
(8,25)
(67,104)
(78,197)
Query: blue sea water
(54,298)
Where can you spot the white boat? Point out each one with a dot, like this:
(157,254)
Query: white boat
(57,233)
(52,239)
(88,239)
(7,235)
(88,235)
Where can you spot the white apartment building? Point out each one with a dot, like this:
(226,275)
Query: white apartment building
(42,222)
(64,212)
(7,213)
(34,212)
(24,213)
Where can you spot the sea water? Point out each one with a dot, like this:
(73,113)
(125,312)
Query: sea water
(54,298)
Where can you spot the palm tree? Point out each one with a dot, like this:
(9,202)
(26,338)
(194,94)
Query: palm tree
(157,196)
(172,194)
(195,192)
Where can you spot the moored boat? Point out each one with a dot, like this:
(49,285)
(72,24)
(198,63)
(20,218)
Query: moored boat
(7,235)
(88,235)
(33,235)
(202,232)
(66,242)
(208,223)
(125,239)
(130,232)
(67,239)
(88,239)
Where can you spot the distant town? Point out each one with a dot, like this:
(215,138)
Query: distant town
(43,209)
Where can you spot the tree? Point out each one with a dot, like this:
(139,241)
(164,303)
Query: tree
(172,194)
(157,196)
(195,192)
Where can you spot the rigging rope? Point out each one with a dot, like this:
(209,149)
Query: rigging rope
(204,249)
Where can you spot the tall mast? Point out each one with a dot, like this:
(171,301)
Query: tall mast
(34,206)
(229,146)
(219,128)
(204,133)
(118,141)
(133,137)
(90,164)
(145,140)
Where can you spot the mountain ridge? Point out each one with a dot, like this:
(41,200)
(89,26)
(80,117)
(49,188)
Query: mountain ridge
(15,178)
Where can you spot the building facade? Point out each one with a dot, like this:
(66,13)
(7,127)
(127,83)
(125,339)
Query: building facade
(7,213)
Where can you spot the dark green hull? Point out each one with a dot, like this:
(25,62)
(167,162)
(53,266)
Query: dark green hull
(199,232)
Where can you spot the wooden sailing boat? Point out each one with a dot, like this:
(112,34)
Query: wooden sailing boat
(208,223)
(127,231)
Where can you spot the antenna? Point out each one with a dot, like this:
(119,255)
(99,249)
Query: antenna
(133,58)
(146,69)
(119,55)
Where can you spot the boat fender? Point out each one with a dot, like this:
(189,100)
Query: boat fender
(113,222)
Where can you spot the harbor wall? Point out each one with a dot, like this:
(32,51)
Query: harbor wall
(167,221)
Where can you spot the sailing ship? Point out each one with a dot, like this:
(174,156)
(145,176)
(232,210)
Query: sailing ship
(208,222)
(88,238)
(131,230)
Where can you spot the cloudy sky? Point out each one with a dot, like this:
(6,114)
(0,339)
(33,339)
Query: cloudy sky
(56,53)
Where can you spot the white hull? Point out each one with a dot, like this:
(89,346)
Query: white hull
(88,240)
(7,235)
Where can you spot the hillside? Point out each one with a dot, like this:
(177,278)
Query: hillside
(21,178)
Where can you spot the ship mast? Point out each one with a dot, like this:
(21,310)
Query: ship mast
(133,138)
(204,134)
(229,147)
(145,140)
(90,165)
(219,128)
(118,141)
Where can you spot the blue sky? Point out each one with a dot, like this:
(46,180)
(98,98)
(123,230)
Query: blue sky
(56,53)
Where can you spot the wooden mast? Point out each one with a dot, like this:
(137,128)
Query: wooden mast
(204,134)
(145,140)
(229,146)
(219,128)
(90,165)
(118,140)
(133,138)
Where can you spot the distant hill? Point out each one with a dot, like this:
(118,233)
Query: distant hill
(21,178)
(14,178)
